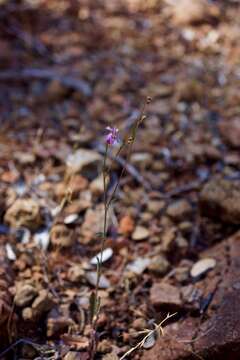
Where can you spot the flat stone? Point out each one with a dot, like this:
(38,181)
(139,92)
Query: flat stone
(165,295)
(202,266)
(140,233)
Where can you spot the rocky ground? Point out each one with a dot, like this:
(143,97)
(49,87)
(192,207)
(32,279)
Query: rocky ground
(68,69)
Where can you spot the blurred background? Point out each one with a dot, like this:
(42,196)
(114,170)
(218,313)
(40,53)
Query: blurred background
(70,68)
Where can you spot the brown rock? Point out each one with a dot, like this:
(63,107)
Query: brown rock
(61,236)
(217,334)
(220,199)
(24,213)
(179,210)
(139,324)
(126,225)
(159,265)
(92,224)
(140,233)
(163,294)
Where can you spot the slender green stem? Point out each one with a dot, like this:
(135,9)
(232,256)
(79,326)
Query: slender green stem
(103,235)
(129,141)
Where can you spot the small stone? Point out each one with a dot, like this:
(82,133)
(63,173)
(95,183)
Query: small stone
(163,294)
(93,224)
(76,273)
(159,265)
(77,184)
(150,341)
(140,233)
(181,242)
(42,239)
(92,279)
(24,213)
(70,219)
(202,266)
(138,266)
(182,271)
(10,252)
(106,255)
(25,294)
(167,238)
(156,206)
(139,324)
(61,236)
(179,210)
(126,225)
(85,161)
(24,158)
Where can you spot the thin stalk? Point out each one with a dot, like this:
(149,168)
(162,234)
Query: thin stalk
(130,141)
(104,234)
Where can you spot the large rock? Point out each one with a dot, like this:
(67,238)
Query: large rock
(216,335)
(220,199)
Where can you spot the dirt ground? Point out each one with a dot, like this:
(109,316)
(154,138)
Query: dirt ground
(69,69)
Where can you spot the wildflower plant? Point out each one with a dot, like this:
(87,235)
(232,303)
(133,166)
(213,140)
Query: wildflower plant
(112,139)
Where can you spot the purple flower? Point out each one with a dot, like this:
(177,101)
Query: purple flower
(112,137)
